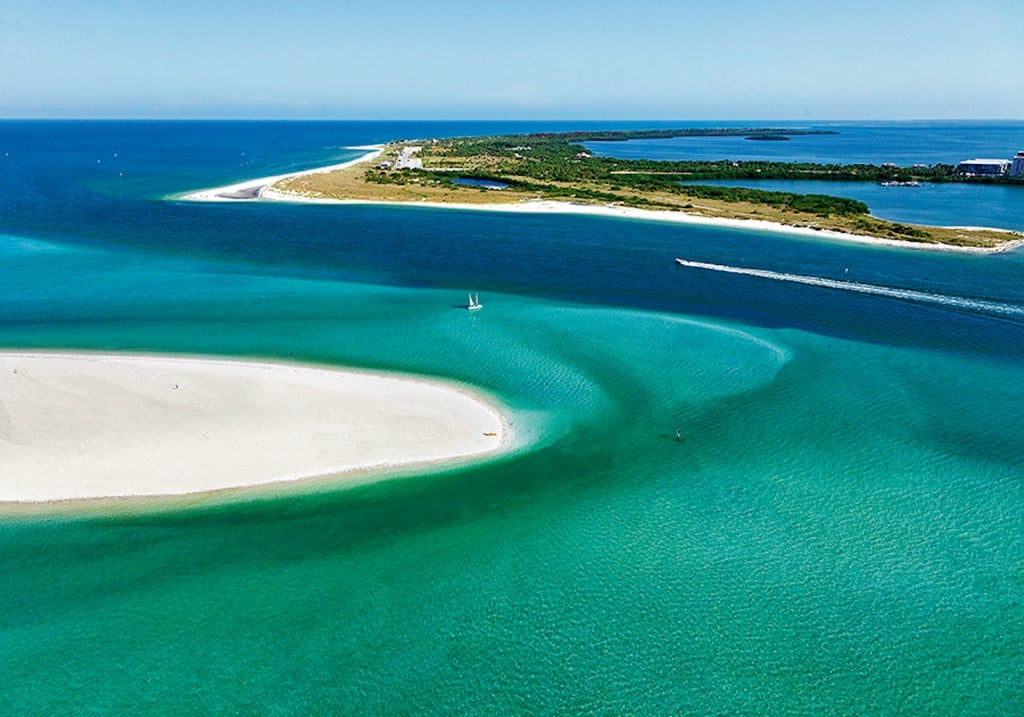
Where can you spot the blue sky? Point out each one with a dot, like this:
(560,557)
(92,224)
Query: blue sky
(646,59)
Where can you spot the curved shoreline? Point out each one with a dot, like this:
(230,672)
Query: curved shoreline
(253,189)
(80,426)
(547,206)
(263,189)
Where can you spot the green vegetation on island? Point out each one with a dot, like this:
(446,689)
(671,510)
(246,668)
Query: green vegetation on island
(557,167)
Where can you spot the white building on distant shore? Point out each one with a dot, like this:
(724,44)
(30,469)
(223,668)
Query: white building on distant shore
(984,167)
(1017,168)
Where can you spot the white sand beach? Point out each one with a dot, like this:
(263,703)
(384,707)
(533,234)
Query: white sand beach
(254,189)
(263,189)
(81,425)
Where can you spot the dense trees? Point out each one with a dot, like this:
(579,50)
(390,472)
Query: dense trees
(556,165)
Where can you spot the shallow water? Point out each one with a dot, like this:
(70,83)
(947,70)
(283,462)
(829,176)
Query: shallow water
(837,531)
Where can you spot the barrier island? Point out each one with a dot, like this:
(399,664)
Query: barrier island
(510,169)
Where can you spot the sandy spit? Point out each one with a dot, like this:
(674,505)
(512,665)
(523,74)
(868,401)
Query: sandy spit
(82,426)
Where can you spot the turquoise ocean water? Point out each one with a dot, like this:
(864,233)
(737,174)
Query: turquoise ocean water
(840,530)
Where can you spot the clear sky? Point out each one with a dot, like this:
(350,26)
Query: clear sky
(538,59)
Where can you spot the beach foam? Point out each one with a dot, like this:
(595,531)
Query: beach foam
(78,425)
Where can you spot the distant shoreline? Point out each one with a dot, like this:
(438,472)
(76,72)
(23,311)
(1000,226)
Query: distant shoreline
(263,189)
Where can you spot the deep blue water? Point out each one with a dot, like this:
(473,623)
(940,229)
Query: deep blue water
(903,143)
(63,180)
(838,531)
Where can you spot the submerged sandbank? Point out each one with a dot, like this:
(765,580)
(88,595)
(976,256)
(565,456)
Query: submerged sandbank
(82,426)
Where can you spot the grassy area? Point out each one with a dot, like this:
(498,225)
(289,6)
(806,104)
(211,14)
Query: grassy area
(352,183)
(554,168)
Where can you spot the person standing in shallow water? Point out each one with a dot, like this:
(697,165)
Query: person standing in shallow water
(679,434)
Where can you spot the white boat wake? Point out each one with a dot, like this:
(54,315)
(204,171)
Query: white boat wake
(960,302)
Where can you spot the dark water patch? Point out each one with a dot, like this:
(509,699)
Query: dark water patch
(480,183)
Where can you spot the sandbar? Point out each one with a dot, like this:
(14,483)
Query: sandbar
(77,426)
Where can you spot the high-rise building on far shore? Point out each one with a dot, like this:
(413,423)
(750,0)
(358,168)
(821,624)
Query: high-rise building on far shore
(1017,168)
(984,167)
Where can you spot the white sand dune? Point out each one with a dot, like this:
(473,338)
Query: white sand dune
(79,425)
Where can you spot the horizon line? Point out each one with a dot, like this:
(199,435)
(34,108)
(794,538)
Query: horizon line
(501,119)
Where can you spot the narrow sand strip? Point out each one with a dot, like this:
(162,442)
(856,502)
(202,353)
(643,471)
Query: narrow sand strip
(78,425)
(253,189)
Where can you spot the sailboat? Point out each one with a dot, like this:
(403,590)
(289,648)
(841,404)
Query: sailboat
(474,302)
